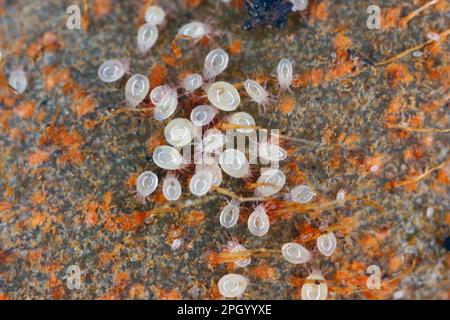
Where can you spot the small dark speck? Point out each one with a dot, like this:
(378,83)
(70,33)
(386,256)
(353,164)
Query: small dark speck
(447,243)
(148,158)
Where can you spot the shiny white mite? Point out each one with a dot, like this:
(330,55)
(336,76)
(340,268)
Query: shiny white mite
(111,70)
(316,288)
(18,80)
(232,285)
(240,263)
(167,158)
(215,63)
(146,184)
(299,5)
(258,222)
(326,244)
(202,115)
(270,182)
(285,73)
(234,163)
(155,15)
(171,188)
(136,89)
(192,82)
(229,214)
(146,38)
(223,96)
(302,194)
(194,30)
(256,92)
(295,253)
(179,132)
(243,119)
(201,183)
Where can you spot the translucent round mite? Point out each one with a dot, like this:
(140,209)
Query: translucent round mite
(146,184)
(171,188)
(315,289)
(223,96)
(326,244)
(136,89)
(284,73)
(194,30)
(258,222)
(147,36)
(202,115)
(179,132)
(200,183)
(215,63)
(229,215)
(302,194)
(232,285)
(271,152)
(18,80)
(192,82)
(270,182)
(213,140)
(234,163)
(295,253)
(167,157)
(299,5)
(241,263)
(111,71)
(256,92)
(215,171)
(159,92)
(243,119)
(154,15)
(165,100)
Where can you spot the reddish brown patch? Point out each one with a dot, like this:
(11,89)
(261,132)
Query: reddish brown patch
(158,74)
(235,47)
(131,222)
(38,197)
(162,294)
(54,76)
(194,218)
(91,218)
(137,291)
(287,104)
(25,109)
(265,272)
(397,74)
(102,7)
(319,11)
(194,3)
(38,157)
(83,106)
(390,17)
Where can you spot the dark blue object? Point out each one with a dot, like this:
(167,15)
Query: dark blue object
(447,243)
(267,12)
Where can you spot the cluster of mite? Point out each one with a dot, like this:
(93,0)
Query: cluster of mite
(210,142)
